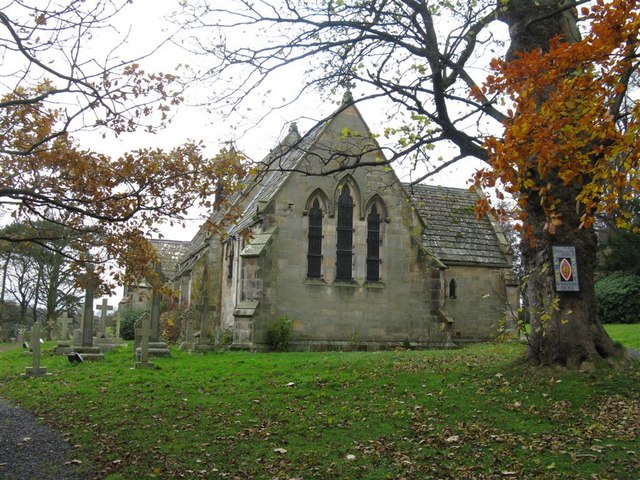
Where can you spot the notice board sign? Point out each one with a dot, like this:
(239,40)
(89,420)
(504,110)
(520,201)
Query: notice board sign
(565,268)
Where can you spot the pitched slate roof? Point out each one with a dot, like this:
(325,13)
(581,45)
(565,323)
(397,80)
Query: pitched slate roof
(169,254)
(453,233)
(278,166)
(261,187)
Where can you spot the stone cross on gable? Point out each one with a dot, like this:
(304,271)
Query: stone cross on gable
(104,308)
(64,321)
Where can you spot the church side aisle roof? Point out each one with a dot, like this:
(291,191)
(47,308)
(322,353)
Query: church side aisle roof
(453,233)
(169,254)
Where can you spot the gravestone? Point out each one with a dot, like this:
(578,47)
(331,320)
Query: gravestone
(117,326)
(77,337)
(154,349)
(156,297)
(204,343)
(104,308)
(86,348)
(103,341)
(20,338)
(143,359)
(64,345)
(64,322)
(87,316)
(35,370)
(189,342)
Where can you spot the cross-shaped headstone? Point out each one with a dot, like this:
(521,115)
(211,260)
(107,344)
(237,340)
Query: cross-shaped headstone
(156,298)
(64,321)
(35,370)
(204,308)
(154,321)
(144,343)
(90,284)
(189,332)
(104,308)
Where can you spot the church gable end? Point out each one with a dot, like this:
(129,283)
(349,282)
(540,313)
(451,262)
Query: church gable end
(337,253)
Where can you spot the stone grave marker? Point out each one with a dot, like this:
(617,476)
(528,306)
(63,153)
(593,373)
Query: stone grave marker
(35,370)
(145,333)
(77,337)
(65,321)
(64,345)
(87,316)
(156,298)
(204,341)
(155,349)
(104,308)
(86,348)
(117,326)
(103,341)
(189,342)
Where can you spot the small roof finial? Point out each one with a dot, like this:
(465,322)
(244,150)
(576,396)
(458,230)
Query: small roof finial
(347,98)
(293,128)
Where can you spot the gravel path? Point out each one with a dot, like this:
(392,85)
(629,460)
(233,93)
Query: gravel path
(31,451)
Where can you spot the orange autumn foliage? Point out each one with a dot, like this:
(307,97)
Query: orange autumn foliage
(573,121)
(110,205)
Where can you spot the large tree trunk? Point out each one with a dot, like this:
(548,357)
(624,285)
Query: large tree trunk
(565,328)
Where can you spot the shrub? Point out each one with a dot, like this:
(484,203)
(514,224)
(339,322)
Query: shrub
(226,338)
(618,298)
(170,323)
(127,324)
(280,334)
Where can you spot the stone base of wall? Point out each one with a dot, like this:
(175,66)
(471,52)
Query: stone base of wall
(345,346)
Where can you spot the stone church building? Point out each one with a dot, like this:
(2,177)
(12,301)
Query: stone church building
(352,256)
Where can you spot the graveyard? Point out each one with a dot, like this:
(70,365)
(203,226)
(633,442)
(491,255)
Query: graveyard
(447,287)
(474,412)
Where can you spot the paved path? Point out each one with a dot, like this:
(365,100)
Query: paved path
(8,346)
(31,451)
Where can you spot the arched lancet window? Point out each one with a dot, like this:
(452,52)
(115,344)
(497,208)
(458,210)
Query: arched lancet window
(373,245)
(314,252)
(344,248)
(452,288)
(230,259)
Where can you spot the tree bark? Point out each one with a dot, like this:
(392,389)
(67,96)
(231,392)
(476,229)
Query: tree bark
(565,328)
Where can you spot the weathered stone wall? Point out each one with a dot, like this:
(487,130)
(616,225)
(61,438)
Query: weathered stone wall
(229,296)
(330,313)
(480,304)
(207,296)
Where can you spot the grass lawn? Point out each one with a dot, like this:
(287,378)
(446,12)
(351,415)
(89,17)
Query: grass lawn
(470,413)
(627,334)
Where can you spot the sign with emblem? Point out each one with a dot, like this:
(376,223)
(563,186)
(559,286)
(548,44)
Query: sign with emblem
(565,268)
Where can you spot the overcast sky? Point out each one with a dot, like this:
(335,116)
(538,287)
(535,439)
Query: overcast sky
(148,28)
